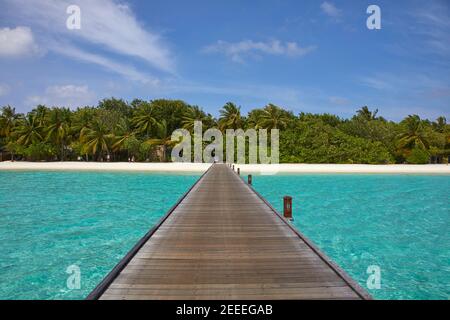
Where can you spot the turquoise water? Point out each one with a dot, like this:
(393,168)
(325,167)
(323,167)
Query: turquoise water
(400,223)
(50,221)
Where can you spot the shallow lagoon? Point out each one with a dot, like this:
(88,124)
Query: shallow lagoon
(51,220)
(400,223)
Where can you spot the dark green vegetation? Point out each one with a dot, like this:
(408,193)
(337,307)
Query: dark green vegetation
(118,131)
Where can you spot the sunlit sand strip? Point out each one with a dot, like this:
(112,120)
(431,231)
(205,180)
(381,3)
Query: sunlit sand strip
(105,166)
(345,168)
(247,168)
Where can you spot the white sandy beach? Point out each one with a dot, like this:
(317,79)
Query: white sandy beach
(105,166)
(245,168)
(347,168)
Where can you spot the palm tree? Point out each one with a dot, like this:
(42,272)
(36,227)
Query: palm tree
(58,128)
(123,142)
(41,113)
(96,138)
(413,134)
(194,113)
(81,119)
(8,122)
(144,119)
(366,114)
(230,117)
(125,139)
(164,140)
(29,131)
(253,118)
(439,124)
(272,117)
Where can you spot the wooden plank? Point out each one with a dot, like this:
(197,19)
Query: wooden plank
(224,241)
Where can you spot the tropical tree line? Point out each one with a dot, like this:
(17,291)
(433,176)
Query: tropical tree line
(116,130)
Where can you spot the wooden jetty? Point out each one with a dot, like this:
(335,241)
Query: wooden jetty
(220,241)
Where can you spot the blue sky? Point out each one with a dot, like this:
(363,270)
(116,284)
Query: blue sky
(312,56)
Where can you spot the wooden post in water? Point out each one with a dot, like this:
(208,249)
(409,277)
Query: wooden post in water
(287,205)
(249,180)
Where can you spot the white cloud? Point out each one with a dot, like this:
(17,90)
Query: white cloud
(105,24)
(330,9)
(4,89)
(434,25)
(238,50)
(64,96)
(17,42)
(125,70)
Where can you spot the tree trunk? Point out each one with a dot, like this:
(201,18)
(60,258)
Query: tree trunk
(161,153)
(62,152)
(164,152)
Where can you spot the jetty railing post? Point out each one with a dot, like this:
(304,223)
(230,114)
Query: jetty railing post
(239,171)
(233,167)
(249,179)
(287,207)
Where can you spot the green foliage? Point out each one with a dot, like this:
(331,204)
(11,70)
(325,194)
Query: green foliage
(230,117)
(119,130)
(145,152)
(273,117)
(132,146)
(418,156)
(413,134)
(96,139)
(193,114)
(116,105)
(57,129)
(39,151)
(314,141)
